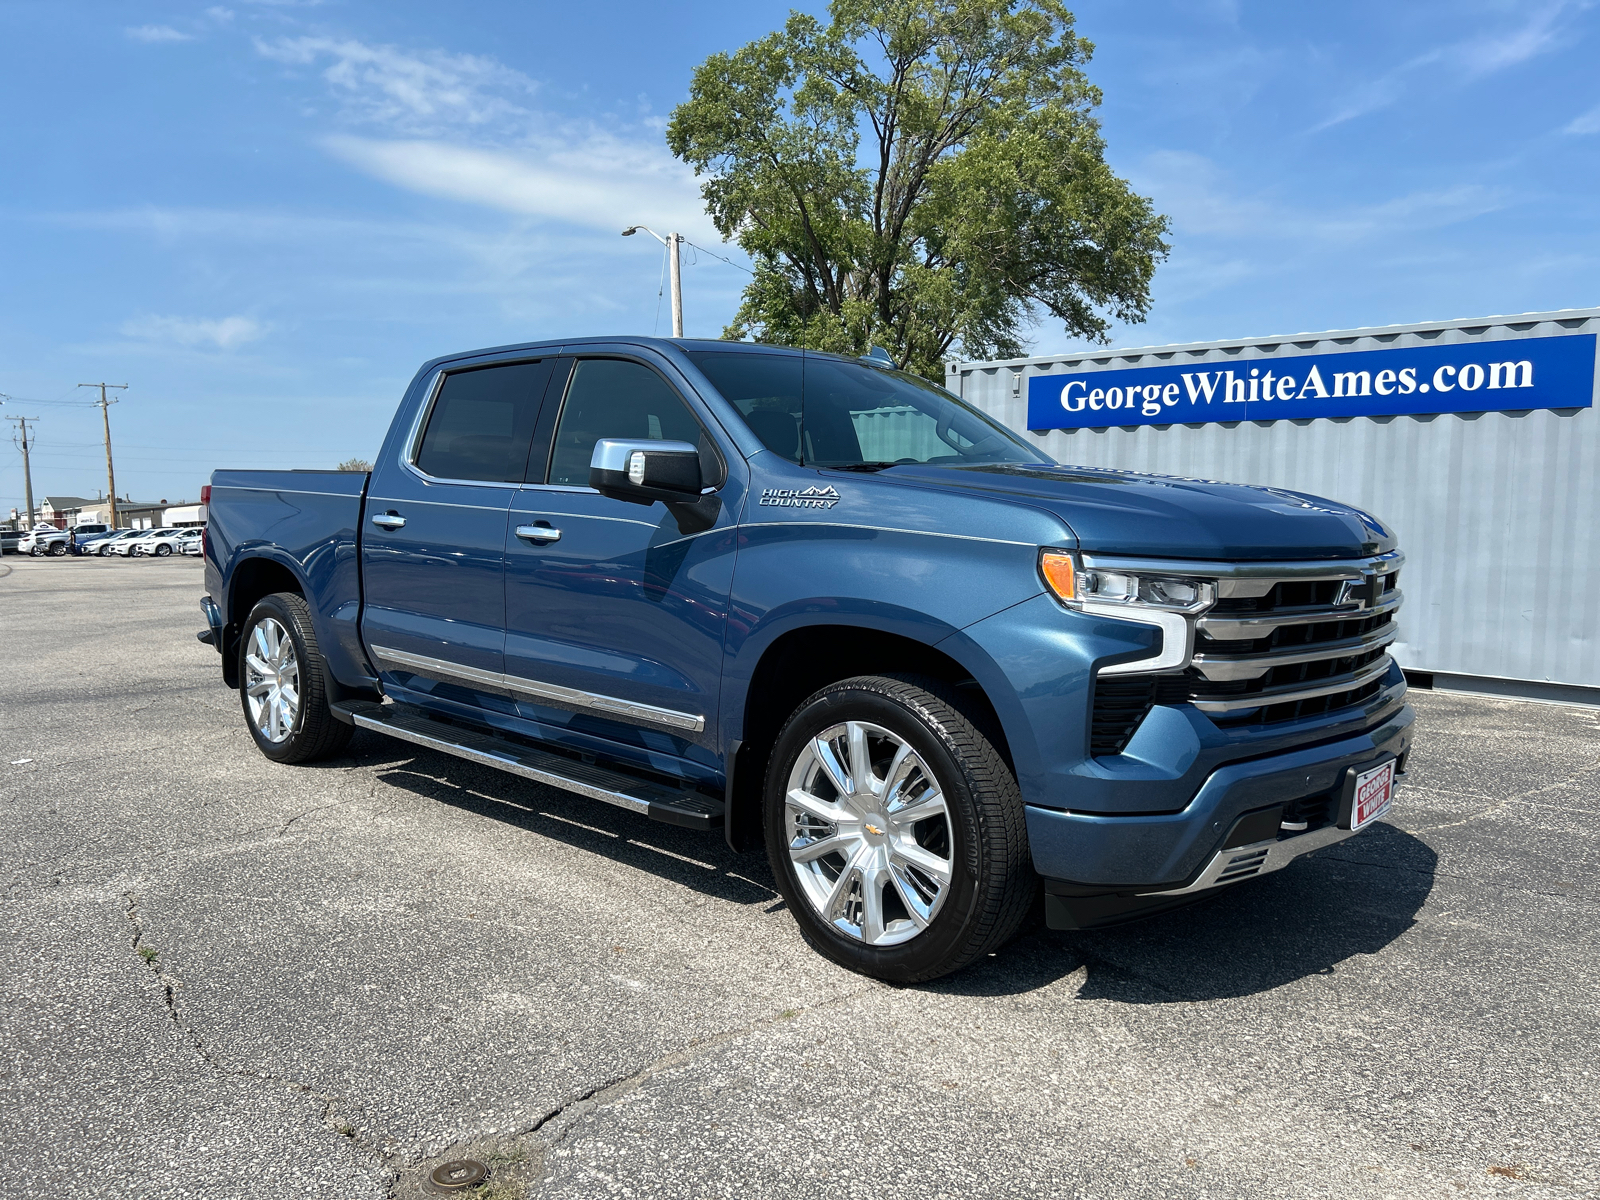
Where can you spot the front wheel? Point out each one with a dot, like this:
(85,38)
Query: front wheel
(283,685)
(895,829)
(58,549)
(163,551)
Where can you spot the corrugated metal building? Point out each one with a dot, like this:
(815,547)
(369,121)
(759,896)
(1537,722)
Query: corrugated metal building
(1496,510)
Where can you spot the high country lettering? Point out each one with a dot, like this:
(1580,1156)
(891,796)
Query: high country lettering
(812,497)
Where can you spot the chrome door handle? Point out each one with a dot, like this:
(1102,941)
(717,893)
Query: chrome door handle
(538,533)
(389,521)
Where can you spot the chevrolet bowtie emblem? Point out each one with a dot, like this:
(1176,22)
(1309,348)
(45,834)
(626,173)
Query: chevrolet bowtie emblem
(873,829)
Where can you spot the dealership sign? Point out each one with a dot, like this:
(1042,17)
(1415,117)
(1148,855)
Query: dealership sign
(1511,374)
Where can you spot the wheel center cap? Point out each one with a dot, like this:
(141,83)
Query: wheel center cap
(874,825)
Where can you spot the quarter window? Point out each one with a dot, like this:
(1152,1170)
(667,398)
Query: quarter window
(482,423)
(612,398)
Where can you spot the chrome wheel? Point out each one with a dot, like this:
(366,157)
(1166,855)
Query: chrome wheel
(272,680)
(868,833)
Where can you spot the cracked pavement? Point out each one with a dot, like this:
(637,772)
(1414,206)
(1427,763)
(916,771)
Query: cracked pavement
(225,977)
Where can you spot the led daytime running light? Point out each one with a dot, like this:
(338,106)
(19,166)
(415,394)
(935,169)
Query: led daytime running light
(1077,587)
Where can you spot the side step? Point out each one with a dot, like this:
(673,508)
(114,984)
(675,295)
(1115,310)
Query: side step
(657,801)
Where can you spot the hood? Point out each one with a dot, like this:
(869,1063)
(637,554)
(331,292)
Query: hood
(1167,516)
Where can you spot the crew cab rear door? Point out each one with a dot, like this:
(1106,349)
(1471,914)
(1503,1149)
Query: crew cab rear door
(433,549)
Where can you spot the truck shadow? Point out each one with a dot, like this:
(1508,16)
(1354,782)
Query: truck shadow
(1350,899)
(697,860)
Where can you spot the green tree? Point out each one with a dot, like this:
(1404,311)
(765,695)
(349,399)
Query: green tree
(920,175)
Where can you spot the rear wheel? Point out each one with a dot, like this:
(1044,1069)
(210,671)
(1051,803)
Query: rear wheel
(283,685)
(895,829)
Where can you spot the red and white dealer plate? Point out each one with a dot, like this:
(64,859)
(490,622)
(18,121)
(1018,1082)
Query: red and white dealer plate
(1374,793)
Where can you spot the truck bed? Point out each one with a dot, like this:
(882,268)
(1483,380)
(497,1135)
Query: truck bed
(310,523)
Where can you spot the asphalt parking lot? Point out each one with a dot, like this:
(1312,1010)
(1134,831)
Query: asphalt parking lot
(228,978)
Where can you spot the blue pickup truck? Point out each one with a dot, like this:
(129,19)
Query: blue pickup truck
(827,609)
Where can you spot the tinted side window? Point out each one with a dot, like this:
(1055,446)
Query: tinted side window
(482,423)
(765,388)
(610,398)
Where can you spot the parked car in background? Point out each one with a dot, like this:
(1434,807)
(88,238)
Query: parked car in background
(134,545)
(196,545)
(48,540)
(107,546)
(83,535)
(166,542)
(9,539)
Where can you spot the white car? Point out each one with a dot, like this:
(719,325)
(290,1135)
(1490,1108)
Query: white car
(166,542)
(45,539)
(195,545)
(107,546)
(133,545)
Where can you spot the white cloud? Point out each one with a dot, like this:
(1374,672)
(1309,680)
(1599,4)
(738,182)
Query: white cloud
(1469,60)
(597,182)
(1588,122)
(423,93)
(1204,200)
(157,33)
(224,333)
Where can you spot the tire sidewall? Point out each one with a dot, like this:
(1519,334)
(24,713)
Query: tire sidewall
(272,607)
(163,551)
(952,927)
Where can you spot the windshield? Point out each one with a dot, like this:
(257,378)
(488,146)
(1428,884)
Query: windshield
(827,412)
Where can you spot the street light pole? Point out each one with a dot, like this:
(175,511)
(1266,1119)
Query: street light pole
(673,242)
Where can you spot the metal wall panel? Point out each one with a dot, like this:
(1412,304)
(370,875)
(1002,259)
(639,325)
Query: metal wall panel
(1497,512)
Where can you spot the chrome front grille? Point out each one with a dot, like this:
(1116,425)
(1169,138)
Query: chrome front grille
(1282,642)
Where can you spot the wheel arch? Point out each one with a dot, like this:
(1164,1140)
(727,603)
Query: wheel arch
(803,659)
(250,579)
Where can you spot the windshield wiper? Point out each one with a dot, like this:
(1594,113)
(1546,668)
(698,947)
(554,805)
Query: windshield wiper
(864,466)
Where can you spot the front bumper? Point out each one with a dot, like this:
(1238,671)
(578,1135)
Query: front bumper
(1167,858)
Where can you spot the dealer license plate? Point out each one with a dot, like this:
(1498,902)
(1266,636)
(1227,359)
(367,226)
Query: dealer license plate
(1374,793)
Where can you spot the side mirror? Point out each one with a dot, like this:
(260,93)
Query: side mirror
(642,472)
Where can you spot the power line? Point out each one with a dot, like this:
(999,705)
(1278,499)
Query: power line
(719,257)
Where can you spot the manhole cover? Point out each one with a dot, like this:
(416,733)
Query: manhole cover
(457,1174)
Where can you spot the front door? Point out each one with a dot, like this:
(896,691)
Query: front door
(433,550)
(615,611)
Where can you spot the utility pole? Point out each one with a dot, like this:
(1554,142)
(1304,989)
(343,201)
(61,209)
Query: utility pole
(673,242)
(111,476)
(27,473)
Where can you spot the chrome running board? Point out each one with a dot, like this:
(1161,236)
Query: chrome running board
(655,800)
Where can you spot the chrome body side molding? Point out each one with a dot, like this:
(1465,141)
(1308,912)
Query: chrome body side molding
(628,710)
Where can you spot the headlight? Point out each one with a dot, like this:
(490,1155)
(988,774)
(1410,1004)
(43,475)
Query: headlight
(1076,586)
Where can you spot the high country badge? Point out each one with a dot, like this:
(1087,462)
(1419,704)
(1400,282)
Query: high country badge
(812,497)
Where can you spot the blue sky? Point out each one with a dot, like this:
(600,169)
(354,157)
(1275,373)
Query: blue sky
(263,216)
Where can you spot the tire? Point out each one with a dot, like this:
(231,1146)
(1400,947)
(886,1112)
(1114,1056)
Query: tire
(879,847)
(163,550)
(306,730)
(104,552)
(58,550)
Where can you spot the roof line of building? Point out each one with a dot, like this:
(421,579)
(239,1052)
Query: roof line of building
(1099,352)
